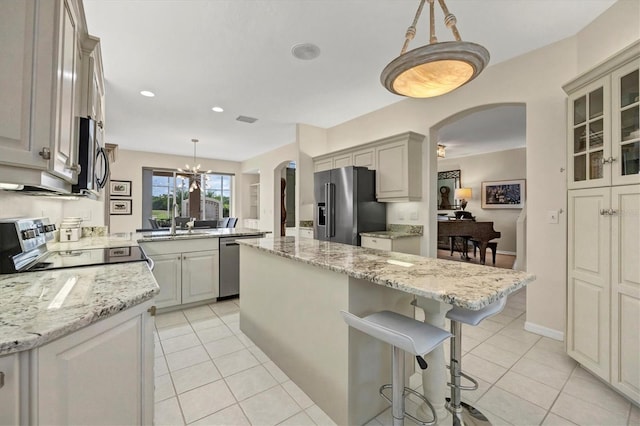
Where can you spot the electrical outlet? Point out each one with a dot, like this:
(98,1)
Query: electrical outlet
(552,216)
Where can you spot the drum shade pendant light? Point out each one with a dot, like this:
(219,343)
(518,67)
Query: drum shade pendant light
(194,170)
(436,68)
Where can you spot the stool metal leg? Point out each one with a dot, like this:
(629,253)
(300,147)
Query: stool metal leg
(398,387)
(463,414)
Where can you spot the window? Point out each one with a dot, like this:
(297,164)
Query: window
(214,201)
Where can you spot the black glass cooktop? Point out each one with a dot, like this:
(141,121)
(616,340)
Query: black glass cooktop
(89,257)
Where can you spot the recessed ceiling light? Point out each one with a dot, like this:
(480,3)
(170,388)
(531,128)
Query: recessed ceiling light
(147,93)
(305,51)
(217,109)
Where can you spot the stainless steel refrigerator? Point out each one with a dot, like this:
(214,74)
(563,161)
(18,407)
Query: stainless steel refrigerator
(345,205)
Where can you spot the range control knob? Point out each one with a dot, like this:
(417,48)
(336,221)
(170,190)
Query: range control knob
(49,228)
(27,234)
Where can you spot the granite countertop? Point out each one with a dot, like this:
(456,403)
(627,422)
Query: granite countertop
(396,231)
(461,284)
(32,311)
(183,234)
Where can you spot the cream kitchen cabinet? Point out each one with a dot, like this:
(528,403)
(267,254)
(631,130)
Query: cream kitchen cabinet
(187,270)
(409,245)
(396,159)
(38,80)
(92,82)
(100,374)
(603,312)
(604,123)
(10,390)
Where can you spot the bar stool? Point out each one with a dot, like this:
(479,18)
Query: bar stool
(459,316)
(405,335)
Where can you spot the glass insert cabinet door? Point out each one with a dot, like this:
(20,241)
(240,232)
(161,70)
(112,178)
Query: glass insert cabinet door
(589,135)
(625,160)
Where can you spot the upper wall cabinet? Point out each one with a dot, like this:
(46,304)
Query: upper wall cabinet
(396,159)
(604,123)
(39,82)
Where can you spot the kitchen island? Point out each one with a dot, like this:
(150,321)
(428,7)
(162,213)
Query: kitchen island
(292,293)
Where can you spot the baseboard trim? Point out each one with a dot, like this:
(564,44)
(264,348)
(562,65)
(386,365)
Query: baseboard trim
(544,331)
(510,253)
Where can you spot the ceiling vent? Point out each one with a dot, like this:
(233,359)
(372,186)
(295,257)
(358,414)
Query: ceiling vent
(246,119)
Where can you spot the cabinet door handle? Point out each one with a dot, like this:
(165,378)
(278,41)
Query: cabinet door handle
(45,153)
(611,212)
(152,310)
(1,379)
(603,212)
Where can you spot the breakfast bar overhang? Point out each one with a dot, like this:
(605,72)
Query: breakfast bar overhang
(292,291)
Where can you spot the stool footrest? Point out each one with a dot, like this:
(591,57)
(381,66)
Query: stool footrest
(466,388)
(417,394)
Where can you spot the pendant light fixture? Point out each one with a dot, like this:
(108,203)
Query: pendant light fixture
(436,68)
(441,151)
(194,170)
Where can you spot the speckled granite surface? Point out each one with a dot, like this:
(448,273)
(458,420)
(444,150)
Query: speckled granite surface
(33,311)
(305,224)
(197,233)
(461,284)
(396,231)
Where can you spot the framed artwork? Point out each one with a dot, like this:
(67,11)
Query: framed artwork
(120,188)
(119,207)
(503,194)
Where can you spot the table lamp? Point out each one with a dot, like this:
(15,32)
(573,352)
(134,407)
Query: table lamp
(463,194)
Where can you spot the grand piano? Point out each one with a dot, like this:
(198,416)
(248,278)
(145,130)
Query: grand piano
(482,232)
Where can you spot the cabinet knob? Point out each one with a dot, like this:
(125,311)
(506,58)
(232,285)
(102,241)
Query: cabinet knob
(45,153)
(152,310)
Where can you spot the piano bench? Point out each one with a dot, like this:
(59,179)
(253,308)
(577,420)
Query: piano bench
(491,245)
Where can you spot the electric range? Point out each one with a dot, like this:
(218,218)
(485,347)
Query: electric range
(23,248)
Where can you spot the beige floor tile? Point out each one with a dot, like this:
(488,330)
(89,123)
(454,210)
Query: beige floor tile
(468,344)
(555,420)
(170,318)
(163,388)
(234,326)
(200,312)
(551,345)
(223,346)
(528,389)
(481,368)
(205,400)
(230,416)
(507,343)
(472,396)
(585,413)
(250,382)
(555,360)
(512,312)
(320,417)
(235,362)
(180,343)
(490,325)
(224,307)
(541,373)
(634,416)
(297,394)
(583,373)
(230,317)
(300,419)
(496,355)
(496,420)
(160,366)
(269,407)
(186,358)
(596,393)
(520,334)
(259,354)
(475,332)
(511,408)
(244,339)
(203,323)
(502,319)
(195,376)
(211,334)
(167,413)
(276,372)
(174,331)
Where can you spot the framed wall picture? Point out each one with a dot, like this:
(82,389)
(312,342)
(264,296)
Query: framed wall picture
(119,207)
(448,182)
(120,188)
(503,194)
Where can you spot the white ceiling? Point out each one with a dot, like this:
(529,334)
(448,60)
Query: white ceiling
(195,54)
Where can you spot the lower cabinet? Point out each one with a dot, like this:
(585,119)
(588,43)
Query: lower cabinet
(100,374)
(187,271)
(410,245)
(603,297)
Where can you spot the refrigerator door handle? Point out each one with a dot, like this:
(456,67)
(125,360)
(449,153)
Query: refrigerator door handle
(332,216)
(327,214)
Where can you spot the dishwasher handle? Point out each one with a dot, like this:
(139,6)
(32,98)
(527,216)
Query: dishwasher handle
(233,243)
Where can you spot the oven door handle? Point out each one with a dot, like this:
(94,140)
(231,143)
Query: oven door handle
(151,263)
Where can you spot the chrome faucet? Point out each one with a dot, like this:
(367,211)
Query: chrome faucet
(173,218)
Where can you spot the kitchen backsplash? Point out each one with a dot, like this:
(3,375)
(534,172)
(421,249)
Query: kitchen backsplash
(94,231)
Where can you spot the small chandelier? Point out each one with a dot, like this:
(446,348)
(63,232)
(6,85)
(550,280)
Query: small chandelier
(194,171)
(436,68)
(440,151)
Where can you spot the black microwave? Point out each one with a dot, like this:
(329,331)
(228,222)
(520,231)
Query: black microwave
(92,158)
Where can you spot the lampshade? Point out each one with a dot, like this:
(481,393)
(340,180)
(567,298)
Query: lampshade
(437,68)
(463,193)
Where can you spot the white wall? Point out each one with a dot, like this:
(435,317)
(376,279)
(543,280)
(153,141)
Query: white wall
(14,204)
(475,169)
(129,167)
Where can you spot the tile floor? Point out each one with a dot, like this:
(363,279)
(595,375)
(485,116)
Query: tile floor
(209,373)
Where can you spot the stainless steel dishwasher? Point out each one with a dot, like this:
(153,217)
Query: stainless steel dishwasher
(230,265)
